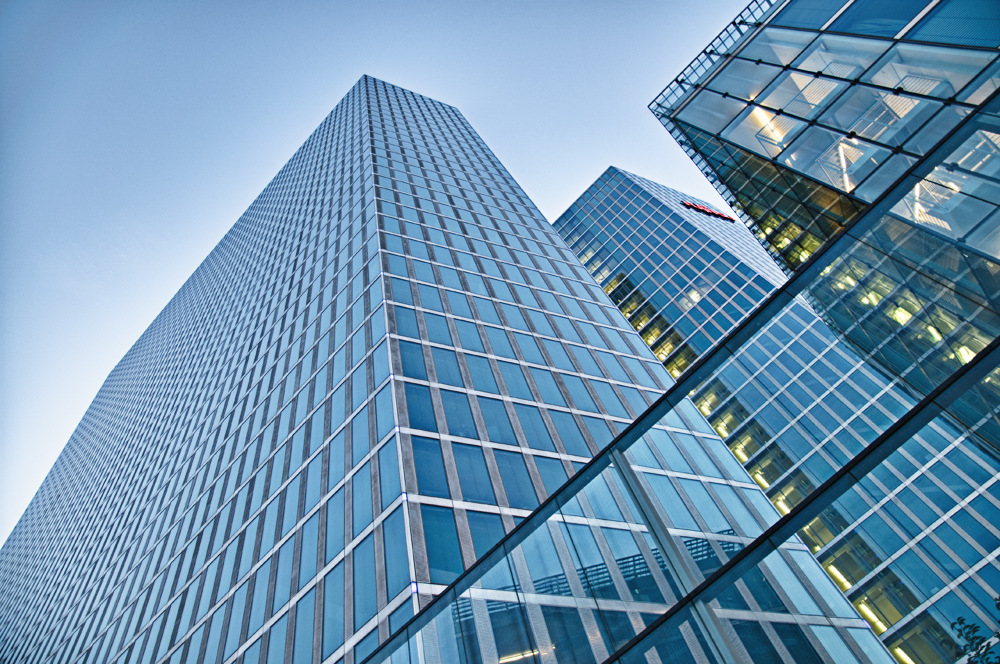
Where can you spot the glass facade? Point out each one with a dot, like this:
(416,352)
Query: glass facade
(388,362)
(858,142)
(681,273)
(799,401)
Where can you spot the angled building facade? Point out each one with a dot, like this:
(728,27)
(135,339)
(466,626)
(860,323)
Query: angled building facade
(858,142)
(388,361)
(388,364)
(681,272)
(800,400)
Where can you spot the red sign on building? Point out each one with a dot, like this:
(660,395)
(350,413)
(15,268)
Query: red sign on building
(706,210)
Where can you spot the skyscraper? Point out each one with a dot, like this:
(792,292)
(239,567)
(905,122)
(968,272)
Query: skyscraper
(681,272)
(798,401)
(562,587)
(858,142)
(388,362)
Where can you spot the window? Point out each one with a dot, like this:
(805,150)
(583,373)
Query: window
(361,499)
(569,433)
(388,468)
(431,477)
(581,397)
(420,407)
(535,432)
(558,354)
(335,525)
(437,329)
(497,422)
(444,556)
(406,323)
(310,540)
(482,374)
(333,610)
(397,566)
(364,581)
(552,472)
(468,334)
(500,343)
(458,414)
(473,475)
(547,387)
(516,481)
(412,357)
(517,386)
(446,364)
(487,530)
(304,615)
(529,348)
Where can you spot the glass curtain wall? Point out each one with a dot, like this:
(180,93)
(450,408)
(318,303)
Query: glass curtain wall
(868,132)
(797,403)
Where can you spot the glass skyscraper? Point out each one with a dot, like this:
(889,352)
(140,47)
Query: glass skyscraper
(681,272)
(800,400)
(380,372)
(859,142)
(388,361)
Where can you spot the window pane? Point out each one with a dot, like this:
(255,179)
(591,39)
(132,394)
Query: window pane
(431,478)
(552,472)
(388,469)
(333,610)
(335,525)
(801,94)
(336,469)
(547,387)
(304,612)
(482,374)
(570,434)
(487,530)
(397,565)
(276,641)
(412,357)
(937,71)
(420,407)
(558,354)
(840,56)
(444,557)
(406,323)
(361,498)
(500,342)
(516,481)
(446,365)
(497,422)
(517,386)
(469,336)
(437,329)
(385,420)
(458,414)
(535,432)
(364,582)
(949,22)
(807,13)
(310,549)
(473,475)
(581,397)
(529,348)
(877,18)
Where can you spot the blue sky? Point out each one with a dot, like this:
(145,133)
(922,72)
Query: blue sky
(134,135)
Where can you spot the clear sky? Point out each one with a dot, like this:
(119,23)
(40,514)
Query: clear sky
(134,134)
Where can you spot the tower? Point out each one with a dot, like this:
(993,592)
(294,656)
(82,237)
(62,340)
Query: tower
(857,143)
(388,361)
(796,403)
